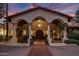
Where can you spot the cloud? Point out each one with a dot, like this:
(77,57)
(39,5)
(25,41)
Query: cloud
(17,7)
(68,8)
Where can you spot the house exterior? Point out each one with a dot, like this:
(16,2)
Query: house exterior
(38,23)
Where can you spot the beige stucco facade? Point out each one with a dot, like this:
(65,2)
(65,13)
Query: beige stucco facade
(29,17)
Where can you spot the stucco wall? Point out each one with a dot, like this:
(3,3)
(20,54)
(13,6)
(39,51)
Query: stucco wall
(31,15)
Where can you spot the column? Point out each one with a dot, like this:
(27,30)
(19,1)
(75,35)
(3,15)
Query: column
(65,34)
(49,39)
(29,33)
(14,38)
(14,34)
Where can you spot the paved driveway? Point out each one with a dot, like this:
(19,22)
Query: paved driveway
(14,50)
(64,51)
(43,51)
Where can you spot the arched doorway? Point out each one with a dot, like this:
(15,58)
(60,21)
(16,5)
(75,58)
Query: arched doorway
(39,29)
(39,34)
(22,31)
(56,30)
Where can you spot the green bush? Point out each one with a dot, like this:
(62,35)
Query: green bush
(71,41)
(1,38)
(74,35)
(7,39)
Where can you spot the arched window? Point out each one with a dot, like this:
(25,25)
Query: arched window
(56,30)
(22,31)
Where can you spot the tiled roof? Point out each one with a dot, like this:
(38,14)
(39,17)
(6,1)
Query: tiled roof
(46,9)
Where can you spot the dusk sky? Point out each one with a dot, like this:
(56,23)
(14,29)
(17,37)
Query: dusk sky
(67,8)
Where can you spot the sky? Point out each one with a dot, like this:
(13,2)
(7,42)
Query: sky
(67,8)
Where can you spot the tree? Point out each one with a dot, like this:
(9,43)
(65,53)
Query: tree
(77,16)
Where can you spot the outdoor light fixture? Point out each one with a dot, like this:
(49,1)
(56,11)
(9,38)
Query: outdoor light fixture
(39,20)
(39,25)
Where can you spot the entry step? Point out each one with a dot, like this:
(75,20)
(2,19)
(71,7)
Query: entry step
(39,43)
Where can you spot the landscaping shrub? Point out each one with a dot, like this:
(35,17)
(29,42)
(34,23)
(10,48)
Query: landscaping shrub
(74,35)
(1,38)
(71,41)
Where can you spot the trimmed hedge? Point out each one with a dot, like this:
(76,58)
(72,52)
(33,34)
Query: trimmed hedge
(2,38)
(71,41)
(74,35)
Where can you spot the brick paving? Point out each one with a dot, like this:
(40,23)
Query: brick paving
(39,51)
(39,48)
(39,43)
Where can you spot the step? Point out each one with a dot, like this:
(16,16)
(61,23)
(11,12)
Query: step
(39,43)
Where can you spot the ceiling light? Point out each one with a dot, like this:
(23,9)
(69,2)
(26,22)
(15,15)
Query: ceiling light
(39,25)
(39,20)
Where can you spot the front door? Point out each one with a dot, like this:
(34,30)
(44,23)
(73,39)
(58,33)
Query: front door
(39,34)
(39,38)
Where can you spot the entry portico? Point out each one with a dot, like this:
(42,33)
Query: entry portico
(38,22)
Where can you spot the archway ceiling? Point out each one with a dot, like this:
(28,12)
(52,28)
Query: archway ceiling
(43,25)
(22,22)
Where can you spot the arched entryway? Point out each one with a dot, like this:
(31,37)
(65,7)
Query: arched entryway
(22,31)
(39,34)
(57,30)
(39,29)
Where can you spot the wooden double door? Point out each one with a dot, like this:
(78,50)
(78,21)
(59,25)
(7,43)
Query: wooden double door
(39,34)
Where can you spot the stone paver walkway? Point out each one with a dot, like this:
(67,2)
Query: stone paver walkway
(39,51)
(39,43)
